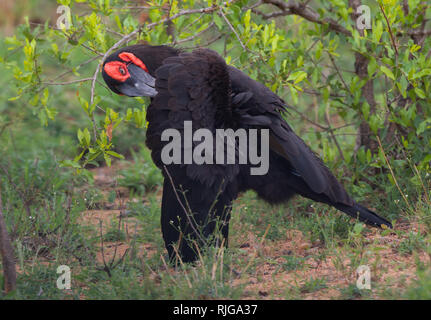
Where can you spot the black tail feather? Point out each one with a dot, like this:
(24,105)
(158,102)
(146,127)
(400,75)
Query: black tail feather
(365,215)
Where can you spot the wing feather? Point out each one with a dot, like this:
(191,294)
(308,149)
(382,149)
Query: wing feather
(191,86)
(265,110)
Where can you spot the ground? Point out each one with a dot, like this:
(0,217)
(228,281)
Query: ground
(286,265)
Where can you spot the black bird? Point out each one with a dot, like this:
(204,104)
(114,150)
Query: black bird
(198,86)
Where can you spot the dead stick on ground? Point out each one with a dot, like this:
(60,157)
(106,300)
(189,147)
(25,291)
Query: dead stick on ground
(7,255)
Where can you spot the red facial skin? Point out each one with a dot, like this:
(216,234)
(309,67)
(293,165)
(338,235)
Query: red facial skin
(118,70)
(130,57)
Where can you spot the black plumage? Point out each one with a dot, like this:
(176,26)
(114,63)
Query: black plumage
(198,86)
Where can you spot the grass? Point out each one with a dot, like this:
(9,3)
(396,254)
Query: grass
(313,285)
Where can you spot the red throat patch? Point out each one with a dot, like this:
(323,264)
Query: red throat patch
(117,70)
(130,57)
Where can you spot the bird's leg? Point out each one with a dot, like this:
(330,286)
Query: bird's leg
(193,218)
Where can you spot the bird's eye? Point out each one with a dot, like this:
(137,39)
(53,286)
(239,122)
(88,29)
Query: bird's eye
(116,70)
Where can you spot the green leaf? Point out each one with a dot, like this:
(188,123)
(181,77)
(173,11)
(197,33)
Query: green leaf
(378,31)
(114,154)
(357,229)
(372,66)
(422,73)
(420,93)
(80,135)
(388,72)
(297,76)
(218,21)
(107,159)
(246,19)
(426,124)
(70,163)
(45,96)
(366,110)
(87,137)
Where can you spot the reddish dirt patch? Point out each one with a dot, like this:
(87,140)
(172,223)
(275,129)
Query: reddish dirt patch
(388,268)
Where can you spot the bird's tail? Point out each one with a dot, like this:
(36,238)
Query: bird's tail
(365,215)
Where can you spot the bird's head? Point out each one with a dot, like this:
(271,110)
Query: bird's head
(130,70)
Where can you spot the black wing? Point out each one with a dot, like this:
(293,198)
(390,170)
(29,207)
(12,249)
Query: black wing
(191,87)
(308,165)
(264,109)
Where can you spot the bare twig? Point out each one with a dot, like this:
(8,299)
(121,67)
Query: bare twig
(307,119)
(339,73)
(194,36)
(233,30)
(67,82)
(211,41)
(120,216)
(389,28)
(69,71)
(100,54)
(331,132)
(106,267)
(302,10)
(6,252)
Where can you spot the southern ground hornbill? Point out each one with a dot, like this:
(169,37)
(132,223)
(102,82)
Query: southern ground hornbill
(199,87)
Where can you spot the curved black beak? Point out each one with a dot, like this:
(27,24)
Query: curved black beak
(140,83)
